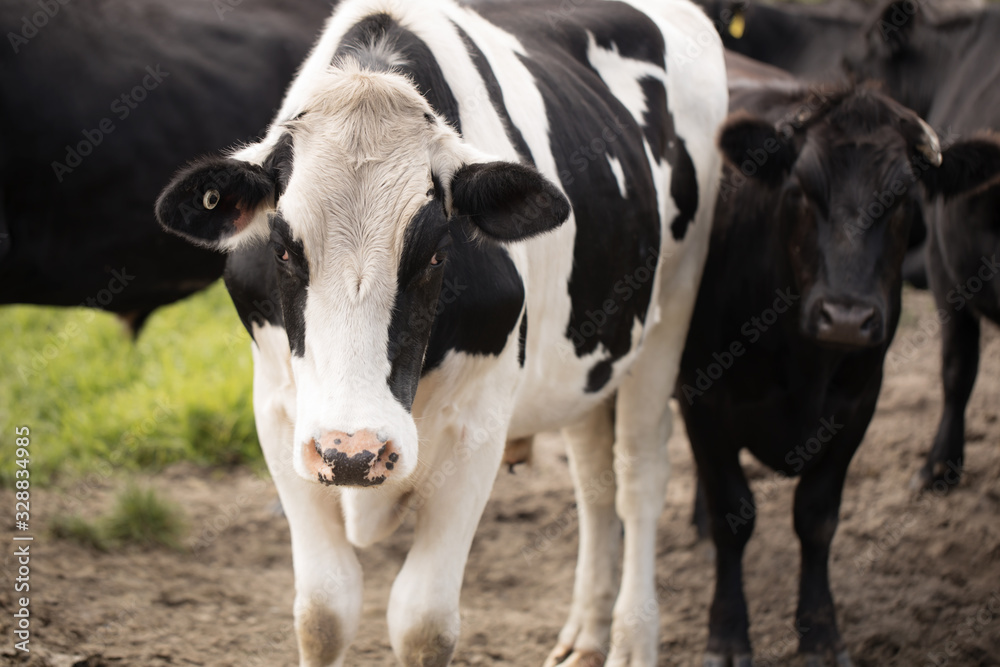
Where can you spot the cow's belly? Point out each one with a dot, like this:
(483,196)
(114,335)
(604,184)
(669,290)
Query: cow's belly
(552,392)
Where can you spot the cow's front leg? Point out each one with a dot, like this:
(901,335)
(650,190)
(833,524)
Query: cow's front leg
(424,621)
(583,641)
(328,578)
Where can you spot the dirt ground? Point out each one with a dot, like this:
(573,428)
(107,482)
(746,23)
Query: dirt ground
(916,578)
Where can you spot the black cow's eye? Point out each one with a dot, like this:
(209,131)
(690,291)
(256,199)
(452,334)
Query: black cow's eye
(435,260)
(280,252)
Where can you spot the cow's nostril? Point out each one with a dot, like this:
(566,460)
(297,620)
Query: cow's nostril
(869,324)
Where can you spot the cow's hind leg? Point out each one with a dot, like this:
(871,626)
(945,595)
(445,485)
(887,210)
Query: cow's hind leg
(328,577)
(584,639)
(959,367)
(643,421)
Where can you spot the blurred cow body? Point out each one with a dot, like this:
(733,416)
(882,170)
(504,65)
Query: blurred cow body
(947,69)
(99,103)
(420,275)
(804,39)
(799,302)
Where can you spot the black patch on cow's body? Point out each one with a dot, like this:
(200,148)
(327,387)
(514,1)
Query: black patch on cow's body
(522,340)
(292,282)
(496,95)
(616,237)
(665,144)
(683,190)
(420,64)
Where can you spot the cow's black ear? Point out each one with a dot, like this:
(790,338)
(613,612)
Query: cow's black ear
(216,202)
(507,201)
(755,148)
(895,24)
(965,166)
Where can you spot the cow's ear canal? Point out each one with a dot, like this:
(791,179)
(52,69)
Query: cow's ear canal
(507,201)
(217,202)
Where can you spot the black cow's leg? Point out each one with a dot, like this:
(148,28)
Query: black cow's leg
(699,515)
(959,366)
(731,520)
(817,510)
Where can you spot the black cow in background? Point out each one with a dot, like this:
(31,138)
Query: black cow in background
(806,40)
(800,299)
(948,70)
(99,105)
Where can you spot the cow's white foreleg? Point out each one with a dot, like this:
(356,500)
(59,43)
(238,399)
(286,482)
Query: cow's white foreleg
(583,641)
(424,621)
(328,578)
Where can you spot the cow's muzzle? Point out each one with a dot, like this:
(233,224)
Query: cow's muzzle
(854,325)
(358,459)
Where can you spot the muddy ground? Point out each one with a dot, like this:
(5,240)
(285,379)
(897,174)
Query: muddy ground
(916,578)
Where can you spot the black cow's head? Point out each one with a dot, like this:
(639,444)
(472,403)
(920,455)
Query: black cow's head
(841,169)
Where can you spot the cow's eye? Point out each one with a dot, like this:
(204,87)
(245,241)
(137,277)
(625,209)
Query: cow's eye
(280,252)
(211,199)
(436,259)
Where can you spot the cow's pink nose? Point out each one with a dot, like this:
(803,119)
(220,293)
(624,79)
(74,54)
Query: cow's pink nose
(360,459)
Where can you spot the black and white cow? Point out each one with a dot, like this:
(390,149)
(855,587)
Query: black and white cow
(473,222)
(89,91)
(800,301)
(947,69)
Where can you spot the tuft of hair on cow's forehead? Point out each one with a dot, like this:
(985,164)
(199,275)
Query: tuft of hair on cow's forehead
(362,168)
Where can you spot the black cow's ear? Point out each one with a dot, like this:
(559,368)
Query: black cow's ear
(755,148)
(965,166)
(895,24)
(217,202)
(507,201)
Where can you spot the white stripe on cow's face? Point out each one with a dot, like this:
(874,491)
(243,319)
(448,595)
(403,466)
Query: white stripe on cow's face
(365,150)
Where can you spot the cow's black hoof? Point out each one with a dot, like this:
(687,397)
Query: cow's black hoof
(719,660)
(841,659)
(937,477)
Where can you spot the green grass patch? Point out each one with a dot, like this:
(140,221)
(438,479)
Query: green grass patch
(95,400)
(140,517)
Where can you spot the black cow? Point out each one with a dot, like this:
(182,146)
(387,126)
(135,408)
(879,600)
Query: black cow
(949,72)
(806,40)
(99,103)
(800,300)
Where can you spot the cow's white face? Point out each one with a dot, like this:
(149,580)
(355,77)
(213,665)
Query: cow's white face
(358,200)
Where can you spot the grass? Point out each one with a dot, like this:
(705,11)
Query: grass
(139,517)
(97,401)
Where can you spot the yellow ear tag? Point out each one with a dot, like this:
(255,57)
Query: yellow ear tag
(737,26)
